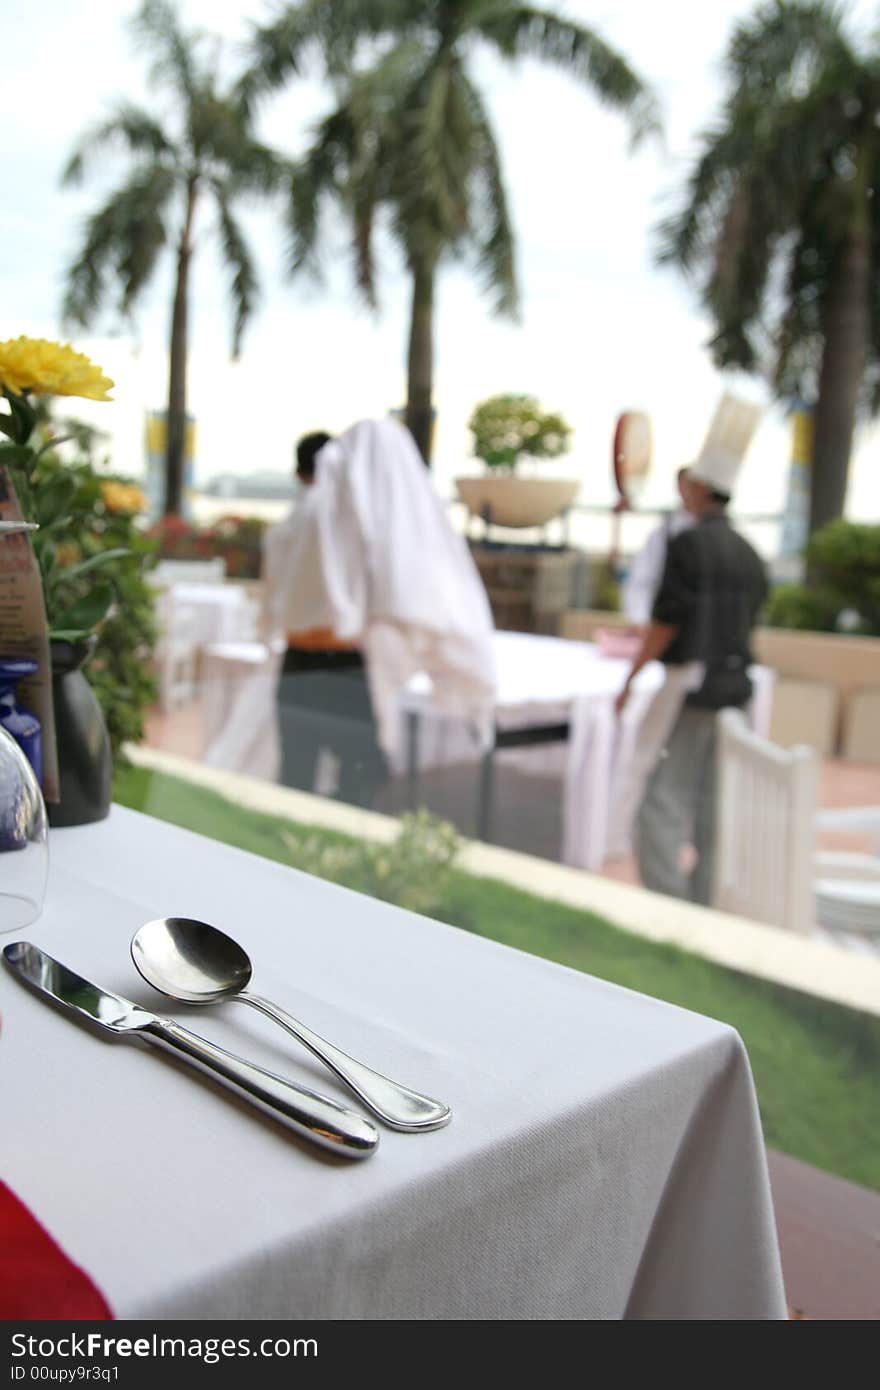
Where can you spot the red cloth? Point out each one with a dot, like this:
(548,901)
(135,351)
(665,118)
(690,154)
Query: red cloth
(37,1280)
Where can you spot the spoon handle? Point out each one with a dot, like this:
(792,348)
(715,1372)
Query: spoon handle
(325,1122)
(397,1106)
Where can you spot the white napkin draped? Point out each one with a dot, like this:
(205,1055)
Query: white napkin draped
(376,558)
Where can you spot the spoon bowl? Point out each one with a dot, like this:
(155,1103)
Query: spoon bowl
(198,964)
(190,961)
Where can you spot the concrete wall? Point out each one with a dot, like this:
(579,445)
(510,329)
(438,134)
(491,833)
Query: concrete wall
(847,666)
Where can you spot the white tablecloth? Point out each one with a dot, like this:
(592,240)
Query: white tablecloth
(604,1160)
(220,612)
(240,722)
(553,680)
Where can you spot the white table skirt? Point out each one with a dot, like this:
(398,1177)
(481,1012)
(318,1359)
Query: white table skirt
(541,680)
(604,763)
(240,722)
(605,1158)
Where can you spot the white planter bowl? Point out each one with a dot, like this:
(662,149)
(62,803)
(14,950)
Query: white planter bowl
(512,501)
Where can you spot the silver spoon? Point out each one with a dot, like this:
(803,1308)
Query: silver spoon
(199,964)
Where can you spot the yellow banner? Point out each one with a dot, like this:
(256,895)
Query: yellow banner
(801,436)
(157,435)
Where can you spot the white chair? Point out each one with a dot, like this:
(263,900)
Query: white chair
(766,864)
(764,834)
(177,651)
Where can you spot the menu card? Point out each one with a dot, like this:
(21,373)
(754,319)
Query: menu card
(24,631)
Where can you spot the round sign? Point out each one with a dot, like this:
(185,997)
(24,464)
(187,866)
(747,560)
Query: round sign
(631,450)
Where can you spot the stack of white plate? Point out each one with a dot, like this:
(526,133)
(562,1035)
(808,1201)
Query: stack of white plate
(848,904)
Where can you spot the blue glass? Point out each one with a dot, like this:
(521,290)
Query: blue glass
(21,723)
(24,858)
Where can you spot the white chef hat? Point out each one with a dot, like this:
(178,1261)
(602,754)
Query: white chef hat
(726,443)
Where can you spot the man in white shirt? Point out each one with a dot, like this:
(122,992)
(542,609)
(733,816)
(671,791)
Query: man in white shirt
(377,587)
(323,696)
(642,581)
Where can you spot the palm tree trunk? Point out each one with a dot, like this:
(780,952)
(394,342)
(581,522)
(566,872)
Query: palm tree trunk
(175,444)
(420,362)
(845,332)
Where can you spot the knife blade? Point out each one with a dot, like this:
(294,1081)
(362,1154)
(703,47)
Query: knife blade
(316,1117)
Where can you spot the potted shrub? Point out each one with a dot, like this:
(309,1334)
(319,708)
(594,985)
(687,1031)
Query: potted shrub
(506,430)
(842,591)
(90,557)
(235,539)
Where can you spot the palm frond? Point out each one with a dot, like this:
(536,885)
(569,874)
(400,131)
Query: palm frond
(798,338)
(277,51)
(875,279)
(353,160)
(238,259)
(174,60)
(490,218)
(129,126)
(743,259)
(433,158)
(222,141)
(781,48)
(121,243)
(780,186)
(685,237)
(528,31)
(318,176)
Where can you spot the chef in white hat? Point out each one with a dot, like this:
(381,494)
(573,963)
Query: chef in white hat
(711,592)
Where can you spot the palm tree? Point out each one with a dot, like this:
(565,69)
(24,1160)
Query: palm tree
(411,139)
(211,155)
(781,224)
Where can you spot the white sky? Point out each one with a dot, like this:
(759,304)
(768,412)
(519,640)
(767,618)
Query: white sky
(601,329)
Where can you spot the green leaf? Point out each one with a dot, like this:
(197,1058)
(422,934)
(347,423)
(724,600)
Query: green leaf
(94,562)
(22,418)
(53,498)
(44,549)
(65,634)
(88,611)
(16,455)
(52,444)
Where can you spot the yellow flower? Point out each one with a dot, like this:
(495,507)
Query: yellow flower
(50,369)
(123,497)
(67,553)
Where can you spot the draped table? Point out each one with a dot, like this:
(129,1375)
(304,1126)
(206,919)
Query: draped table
(220,612)
(604,1159)
(551,690)
(555,690)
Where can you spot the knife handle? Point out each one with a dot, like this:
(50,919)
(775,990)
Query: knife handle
(315,1117)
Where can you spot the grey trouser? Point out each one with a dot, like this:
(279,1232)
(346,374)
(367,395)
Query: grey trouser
(678,809)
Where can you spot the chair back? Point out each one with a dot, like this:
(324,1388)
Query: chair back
(176,655)
(169,572)
(765,827)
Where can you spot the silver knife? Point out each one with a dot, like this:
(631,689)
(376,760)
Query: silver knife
(315,1117)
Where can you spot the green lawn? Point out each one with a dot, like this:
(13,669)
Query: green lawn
(816,1065)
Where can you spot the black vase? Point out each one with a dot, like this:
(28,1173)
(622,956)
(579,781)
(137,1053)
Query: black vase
(85,764)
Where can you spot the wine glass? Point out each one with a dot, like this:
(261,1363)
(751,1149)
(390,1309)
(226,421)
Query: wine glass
(24,852)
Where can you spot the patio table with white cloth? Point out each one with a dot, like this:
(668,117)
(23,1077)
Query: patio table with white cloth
(221,612)
(604,1159)
(553,689)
